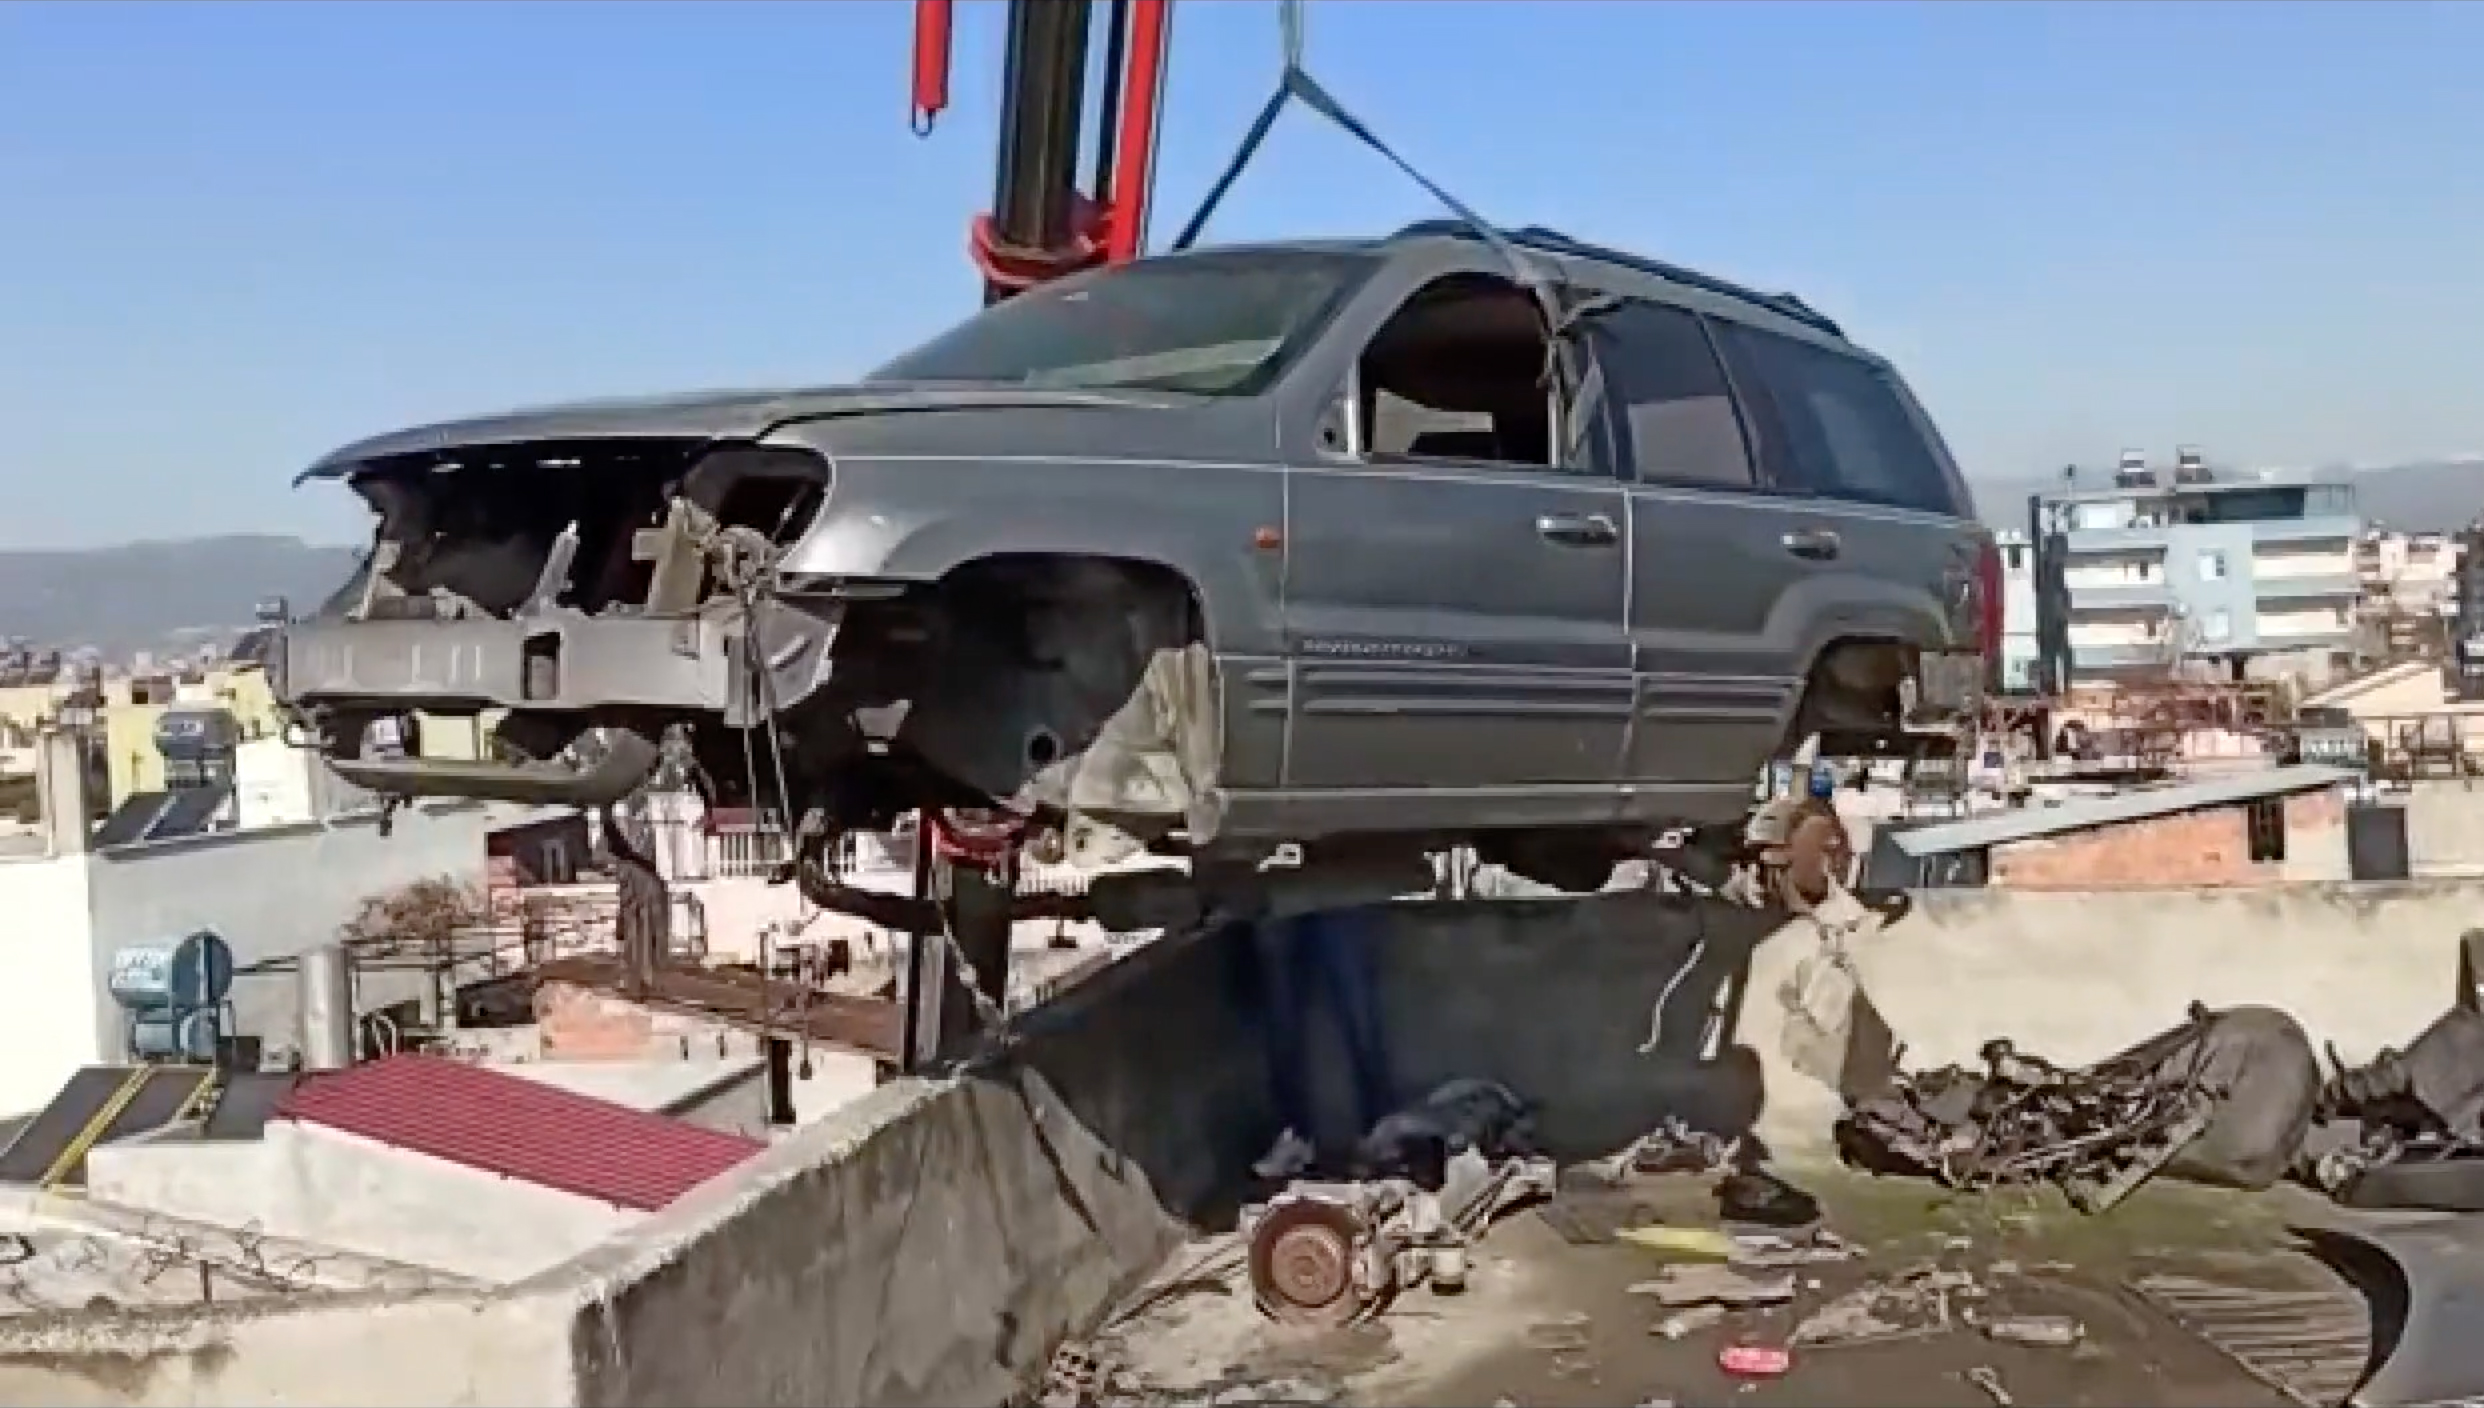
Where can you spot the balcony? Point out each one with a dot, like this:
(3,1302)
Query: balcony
(2313,638)
(2134,655)
(2307,586)
(2122,596)
(2118,540)
(2339,528)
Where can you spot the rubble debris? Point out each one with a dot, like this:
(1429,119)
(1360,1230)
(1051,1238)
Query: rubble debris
(1573,1366)
(1916,1301)
(1851,1319)
(1684,1323)
(1985,1378)
(1706,1283)
(2222,1099)
(1770,1252)
(2049,1331)
(1673,1146)
(1757,1196)
(1331,1254)
(1706,1243)
(1562,1335)
(1455,1116)
(1755,1361)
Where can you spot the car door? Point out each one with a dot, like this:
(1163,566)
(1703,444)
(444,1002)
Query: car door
(1454,617)
(1884,521)
(1713,665)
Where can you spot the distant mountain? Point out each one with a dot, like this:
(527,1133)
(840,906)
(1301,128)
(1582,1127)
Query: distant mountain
(159,596)
(171,595)
(2433,496)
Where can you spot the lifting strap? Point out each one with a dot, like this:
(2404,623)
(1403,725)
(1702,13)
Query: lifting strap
(1576,375)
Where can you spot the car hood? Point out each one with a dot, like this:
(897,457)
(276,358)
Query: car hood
(705,416)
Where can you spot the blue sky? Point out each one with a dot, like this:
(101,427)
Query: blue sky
(237,235)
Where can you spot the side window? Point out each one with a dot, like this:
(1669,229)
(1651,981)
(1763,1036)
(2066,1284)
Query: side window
(1457,375)
(1841,429)
(1671,397)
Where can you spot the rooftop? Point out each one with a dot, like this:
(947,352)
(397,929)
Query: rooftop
(2138,804)
(2226,482)
(502,1124)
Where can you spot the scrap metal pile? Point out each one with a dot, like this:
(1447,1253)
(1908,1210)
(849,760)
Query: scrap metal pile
(2224,1098)
(2419,1117)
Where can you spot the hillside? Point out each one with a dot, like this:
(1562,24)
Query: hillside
(159,595)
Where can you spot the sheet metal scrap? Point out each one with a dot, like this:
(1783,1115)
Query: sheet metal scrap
(2097,1132)
(2419,1115)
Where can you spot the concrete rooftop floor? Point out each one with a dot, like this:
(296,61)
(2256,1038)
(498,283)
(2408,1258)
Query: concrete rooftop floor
(1548,1321)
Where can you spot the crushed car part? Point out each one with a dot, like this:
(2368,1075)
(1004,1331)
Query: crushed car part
(2418,1113)
(2226,1090)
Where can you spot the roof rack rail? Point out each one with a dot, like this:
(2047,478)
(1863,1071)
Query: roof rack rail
(1545,241)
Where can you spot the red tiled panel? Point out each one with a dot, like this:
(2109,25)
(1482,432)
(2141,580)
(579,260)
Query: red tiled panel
(518,1128)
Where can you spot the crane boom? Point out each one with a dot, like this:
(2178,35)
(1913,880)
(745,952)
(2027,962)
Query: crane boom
(1042,225)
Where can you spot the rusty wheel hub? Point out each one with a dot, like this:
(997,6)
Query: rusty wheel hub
(1302,1264)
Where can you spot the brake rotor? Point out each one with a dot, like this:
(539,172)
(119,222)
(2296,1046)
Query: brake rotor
(1302,1263)
(1816,851)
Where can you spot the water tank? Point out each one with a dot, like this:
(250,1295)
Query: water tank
(188,734)
(173,992)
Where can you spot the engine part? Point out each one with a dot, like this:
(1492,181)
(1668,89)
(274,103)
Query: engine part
(1316,1256)
(1330,1254)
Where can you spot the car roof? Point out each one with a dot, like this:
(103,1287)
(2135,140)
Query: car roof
(1538,239)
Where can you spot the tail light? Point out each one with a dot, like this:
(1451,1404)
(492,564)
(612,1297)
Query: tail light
(1989,600)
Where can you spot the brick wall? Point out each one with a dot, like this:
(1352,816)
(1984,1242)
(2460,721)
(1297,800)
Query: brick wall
(2211,847)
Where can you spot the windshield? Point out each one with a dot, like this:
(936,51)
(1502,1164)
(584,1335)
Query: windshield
(1222,324)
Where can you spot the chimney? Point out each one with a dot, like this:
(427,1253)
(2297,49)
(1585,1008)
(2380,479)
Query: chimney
(60,784)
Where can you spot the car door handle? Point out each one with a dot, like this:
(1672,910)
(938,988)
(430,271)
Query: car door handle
(1584,530)
(1818,544)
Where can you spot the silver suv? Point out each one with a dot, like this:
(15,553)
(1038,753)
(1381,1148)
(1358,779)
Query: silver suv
(1412,540)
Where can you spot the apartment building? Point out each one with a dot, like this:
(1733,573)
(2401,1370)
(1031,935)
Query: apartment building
(2254,576)
(2408,578)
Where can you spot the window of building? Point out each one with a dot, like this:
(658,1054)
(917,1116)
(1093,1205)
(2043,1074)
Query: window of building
(2016,554)
(2216,626)
(2265,821)
(2211,565)
(1671,396)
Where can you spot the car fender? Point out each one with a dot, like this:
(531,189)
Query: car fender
(1238,584)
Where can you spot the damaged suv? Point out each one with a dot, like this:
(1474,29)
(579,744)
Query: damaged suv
(1425,539)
